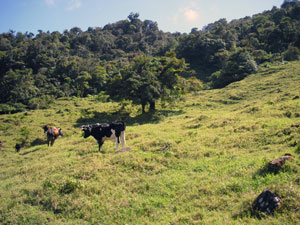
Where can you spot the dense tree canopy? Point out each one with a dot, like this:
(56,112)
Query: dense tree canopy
(147,79)
(134,53)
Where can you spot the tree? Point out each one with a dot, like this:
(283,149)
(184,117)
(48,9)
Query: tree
(147,79)
(288,3)
(239,65)
(82,83)
(98,79)
(17,86)
(133,16)
(139,83)
(291,54)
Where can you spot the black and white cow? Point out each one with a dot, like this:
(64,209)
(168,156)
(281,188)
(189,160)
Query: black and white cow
(105,131)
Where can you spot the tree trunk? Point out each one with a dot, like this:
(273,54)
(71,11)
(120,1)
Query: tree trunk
(143,108)
(152,106)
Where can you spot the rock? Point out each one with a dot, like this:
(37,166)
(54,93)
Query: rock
(276,164)
(267,202)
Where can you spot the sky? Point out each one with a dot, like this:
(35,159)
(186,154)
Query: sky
(171,15)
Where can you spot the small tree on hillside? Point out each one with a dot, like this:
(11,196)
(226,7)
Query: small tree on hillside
(292,53)
(146,80)
(239,65)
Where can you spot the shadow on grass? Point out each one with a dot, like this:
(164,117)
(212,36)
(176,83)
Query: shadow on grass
(262,172)
(148,117)
(246,211)
(38,141)
(35,150)
(83,153)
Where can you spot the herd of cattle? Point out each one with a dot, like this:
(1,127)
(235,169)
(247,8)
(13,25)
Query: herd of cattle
(100,131)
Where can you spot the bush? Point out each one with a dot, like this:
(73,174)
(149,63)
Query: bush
(239,65)
(12,108)
(102,97)
(261,56)
(6,108)
(41,102)
(291,54)
(191,84)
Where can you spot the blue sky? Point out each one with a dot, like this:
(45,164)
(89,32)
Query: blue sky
(171,15)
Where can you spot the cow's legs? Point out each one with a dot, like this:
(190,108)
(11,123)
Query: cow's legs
(123,142)
(117,142)
(100,143)
(52,142)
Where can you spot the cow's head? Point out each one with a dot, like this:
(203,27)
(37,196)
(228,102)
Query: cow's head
(60,133)
(45,128)
(87,129)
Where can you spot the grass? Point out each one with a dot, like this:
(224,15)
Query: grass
(199,161)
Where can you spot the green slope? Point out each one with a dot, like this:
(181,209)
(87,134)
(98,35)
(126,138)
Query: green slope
(200,161)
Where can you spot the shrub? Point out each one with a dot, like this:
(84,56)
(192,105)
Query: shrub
(291,54)
(6,108)
(191,84)
(261,56)
(239,65)
(41,102)
(11,108)
(102,97)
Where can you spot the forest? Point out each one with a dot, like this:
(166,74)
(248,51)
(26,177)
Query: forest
(134,60)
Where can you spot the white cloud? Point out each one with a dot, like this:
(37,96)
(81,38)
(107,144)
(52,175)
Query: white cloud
(190,15)
(69,5)
(50,2)
(73,4)
(185,15)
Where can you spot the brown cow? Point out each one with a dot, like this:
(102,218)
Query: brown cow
(52,133)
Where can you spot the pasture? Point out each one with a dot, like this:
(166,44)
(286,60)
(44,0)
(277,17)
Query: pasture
(201,160)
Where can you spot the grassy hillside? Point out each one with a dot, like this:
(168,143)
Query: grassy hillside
(200,161)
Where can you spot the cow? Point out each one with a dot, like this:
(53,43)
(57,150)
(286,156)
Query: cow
(105,131)
(18,147)
(52,133)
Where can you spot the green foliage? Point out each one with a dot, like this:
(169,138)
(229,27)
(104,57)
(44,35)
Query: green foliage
(239,65)
(17,86)
(191,84)
(102,97)
(41,102)
(291,54)
(147,79)
(11,108)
